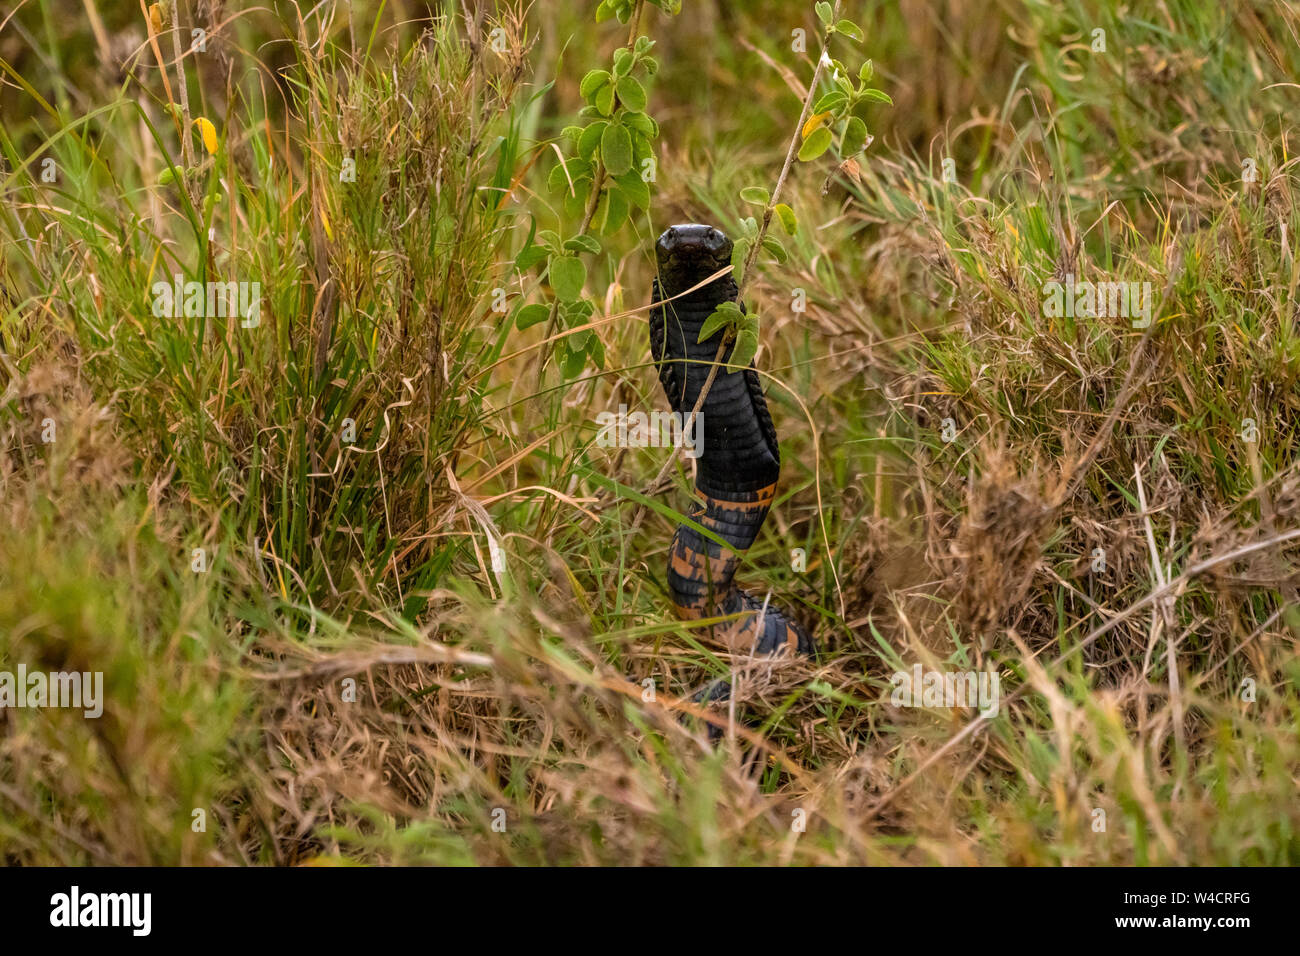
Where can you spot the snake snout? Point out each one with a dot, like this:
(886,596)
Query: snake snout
(692,247)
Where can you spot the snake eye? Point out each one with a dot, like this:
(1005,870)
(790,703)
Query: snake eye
(667,240)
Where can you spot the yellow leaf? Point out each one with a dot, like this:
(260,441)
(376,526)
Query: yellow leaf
(209,134)
(813,122)
(155,17)
(325,221)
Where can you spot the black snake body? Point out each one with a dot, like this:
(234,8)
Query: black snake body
(738,468)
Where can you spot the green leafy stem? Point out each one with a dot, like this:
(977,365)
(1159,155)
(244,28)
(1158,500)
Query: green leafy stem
(609,172)
(832,111)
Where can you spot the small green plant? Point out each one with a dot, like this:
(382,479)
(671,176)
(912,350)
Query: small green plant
(834,118)
(607,174)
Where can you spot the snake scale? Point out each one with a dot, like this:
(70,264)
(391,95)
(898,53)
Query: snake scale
(737,471)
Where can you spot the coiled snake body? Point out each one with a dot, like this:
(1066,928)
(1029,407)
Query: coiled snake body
(737,471)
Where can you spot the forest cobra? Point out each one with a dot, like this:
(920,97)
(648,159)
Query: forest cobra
(737,471)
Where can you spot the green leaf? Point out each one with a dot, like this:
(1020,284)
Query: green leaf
(592,82)
(830,102)
(855,137)
(824,13)
(816,144)
(756,195)
(631,94)
(604,99)
(866,71)
(774,248)
(749,225)
(616,149)
(743,352)
(726,314)
(622,61)
(577,313)
(634,188)
(641,150)
(590,139)
(575,203)
(788,221)
(611,212)
(640,123)
(529,256)
(878,96)
(583,244)
(850,29)
(567,275)
(573,363)
(530,315)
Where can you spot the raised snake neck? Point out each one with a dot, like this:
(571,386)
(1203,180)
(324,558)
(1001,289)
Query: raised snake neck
(737,470)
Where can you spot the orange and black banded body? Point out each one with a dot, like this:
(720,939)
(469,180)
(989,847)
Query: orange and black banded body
(738,468)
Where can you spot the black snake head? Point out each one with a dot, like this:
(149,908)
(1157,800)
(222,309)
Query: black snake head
(689,253)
